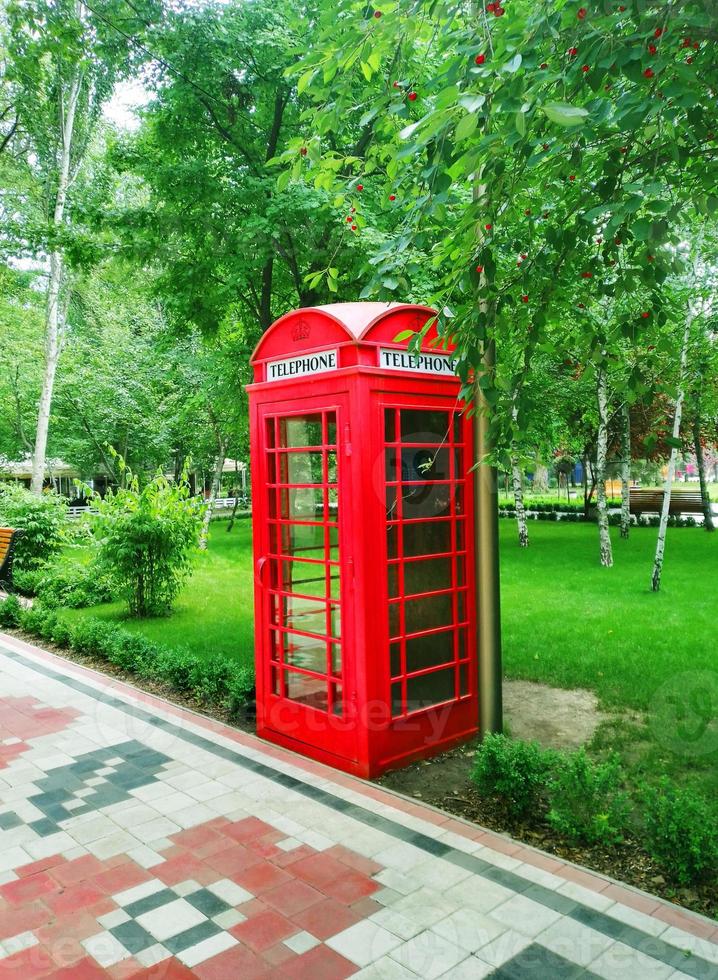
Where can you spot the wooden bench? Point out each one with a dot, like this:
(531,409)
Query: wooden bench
(651,501)
(8,538)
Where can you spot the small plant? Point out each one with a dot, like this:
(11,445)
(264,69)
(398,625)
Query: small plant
(680,832)
(43,519)
(10,611)
(74,585)
(586,802)
(512,771)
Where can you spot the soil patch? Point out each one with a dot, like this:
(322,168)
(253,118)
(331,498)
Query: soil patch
(557,718)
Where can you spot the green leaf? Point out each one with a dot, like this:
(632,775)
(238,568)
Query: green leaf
(472,102)
(466,126)
(366,70)
(564,114)
(305,80)
(403,335)
(513,65)
(283,180)
(520,122)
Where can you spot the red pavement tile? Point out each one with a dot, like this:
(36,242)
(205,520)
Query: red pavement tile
(293,897)
(27,889)
(545,862)
(357,861)
(365,907)
(350,888)
(684,920)
(81,868)
(181,868)
(253,907)
(87,969)
(16,920)
(584,878)
(642,903)
(32,962)
(170,969)
(261,877)
(238,962)
(284,858)
(233,860)
(194,837)
(319,869)
(278,955)
(120,878)
(204,851)
(326,919)
(263,930)
(247,829)
(71,927)
(74,899)
(66,950)
(126,969)
(51,861)
(320,963)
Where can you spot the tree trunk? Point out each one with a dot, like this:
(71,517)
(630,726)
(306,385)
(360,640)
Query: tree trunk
(540,479)
(52,308)
(701,464)
(663,525)
(213,494)
(626,471)
(237,488)
(518,488)
(601,456)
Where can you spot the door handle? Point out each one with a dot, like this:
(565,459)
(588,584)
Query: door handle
(259,571)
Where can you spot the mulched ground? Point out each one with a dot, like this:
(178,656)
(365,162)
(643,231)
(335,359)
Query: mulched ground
(444,782)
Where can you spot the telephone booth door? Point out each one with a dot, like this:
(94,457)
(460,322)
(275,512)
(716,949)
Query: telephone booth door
(302,575)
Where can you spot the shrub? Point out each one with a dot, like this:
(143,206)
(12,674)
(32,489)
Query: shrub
(148,537)
(43,519)
(92,637)
(25,580)
(74,585)
(38,620)
(10,610)
(680,832)
(586,802)
(512,772)
(240,687)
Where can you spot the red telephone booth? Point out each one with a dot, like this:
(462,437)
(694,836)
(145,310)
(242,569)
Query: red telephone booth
(363,536)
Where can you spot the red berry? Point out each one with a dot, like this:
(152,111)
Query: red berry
(587,275)
(411,96)
(303,151)
(650,258)
(572,52)
(392,197)
(622,9)
(645,314)
(527,212)
(616,241)
(545,214)
(488,227)
(652,48)
(658,31)
(648,73)
(585,68)
(349,218)
(396,85)
(581,13)
(599,240)
(624,149)
(543,65)
(696,45)
(377,14)
(499,11)
(490,8)
(354,210)
(524,256)
(518,264)
(360,187)
(572,177)
(686,42)
(480,59)
(689,61)
(524,299)
(479,268)
(582,306)
(545,146)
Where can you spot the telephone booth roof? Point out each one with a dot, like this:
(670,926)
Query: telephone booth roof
(347,324)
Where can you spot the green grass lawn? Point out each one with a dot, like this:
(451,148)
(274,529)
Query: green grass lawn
(567,622)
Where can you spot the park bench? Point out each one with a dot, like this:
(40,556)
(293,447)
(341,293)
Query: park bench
(651,501)
(8,537)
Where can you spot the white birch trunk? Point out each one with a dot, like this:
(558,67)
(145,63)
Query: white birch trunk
(518,488)
(52,309)
(601,457)
(541,479)
(626,471)
(708,523)
(213,494)
(663,525)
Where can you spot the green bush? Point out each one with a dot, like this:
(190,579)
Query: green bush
(680,832)
(43,519)
(586,802)
(240,688)
(26,580)
(148,537)
(512,771)
(74,585)
(10,611)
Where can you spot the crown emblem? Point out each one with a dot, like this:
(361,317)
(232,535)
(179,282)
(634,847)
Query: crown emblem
(301,330)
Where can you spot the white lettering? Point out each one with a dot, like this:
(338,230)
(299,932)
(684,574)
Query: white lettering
(396,360)
(297,367)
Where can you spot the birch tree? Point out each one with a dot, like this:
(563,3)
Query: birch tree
(601,461)
(625,468)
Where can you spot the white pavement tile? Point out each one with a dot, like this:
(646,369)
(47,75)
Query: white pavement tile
(192,816)
(206,791)
(620,961)
(401,925)
(574,941)
(471,968)
(105,949)
(525,915)
(173,801)
(425,907)
(14,857)
(384,969)
(7,876)
(429,955)
(402,857)
(118,843)
(145,856)
(52,844)
(134,894)
(363,942)
(151,791)
(187,887)
(504,947)
(478,893)
(207,948)
(115,918)
(152,955)
(438,874)
(169,919)
(228,919)
(89,830)
(593,900)
(684,940)
(15,944)
(301,942)
(160,827)
(230,892)
(469,929)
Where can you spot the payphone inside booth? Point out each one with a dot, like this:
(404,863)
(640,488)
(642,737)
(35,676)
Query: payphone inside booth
(363,538)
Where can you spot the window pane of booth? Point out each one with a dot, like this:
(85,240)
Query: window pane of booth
(307,615)
(305,651)
(427,538)
(301,430)
(306,540)
(424,425)
(426,500)
(428,689)
(304,578)
(311,691)
(429,651)
(422,463)
(301,467)
(301,503)
(428,612)
(427,576)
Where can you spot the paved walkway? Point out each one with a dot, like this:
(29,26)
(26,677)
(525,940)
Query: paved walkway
(141,840)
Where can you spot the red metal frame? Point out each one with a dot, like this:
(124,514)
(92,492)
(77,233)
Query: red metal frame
(364,716)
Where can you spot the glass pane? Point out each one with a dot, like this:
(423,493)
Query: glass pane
(331,467)
(421,692)
(460,535)
(301,430)
(335,655)
(461,638)
(271,467)
(397,700)
(306,652)
(420,463)
(392,472)
(424,425)
(459,473)
(461,607)
(392,540)
(427,500)
(429,651)
(391,503)
(301,614)
(302,503)
(304,467)
(395,658)
(463,680)
(337,700)
(304,578)
(297,539)
(458,427)
(311,691)
(393,581)
(389,425)
(431,537)
(335,620)
(461,570)
(270,433)
(428,613)
(331,428)
(394,619)
(334,582)
(427,576)
(276,682)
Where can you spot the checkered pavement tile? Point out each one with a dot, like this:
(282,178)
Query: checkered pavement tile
(134,840)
